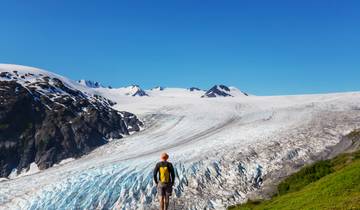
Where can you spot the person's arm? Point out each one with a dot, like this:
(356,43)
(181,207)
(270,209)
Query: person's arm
(172,173)
(156,170)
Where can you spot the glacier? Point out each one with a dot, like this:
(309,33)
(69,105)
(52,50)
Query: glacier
(224,150)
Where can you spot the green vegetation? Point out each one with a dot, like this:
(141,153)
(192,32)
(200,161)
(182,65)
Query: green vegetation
(329,184)
(305,176)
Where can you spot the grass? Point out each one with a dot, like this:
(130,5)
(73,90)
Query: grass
(305,176)
(329,184)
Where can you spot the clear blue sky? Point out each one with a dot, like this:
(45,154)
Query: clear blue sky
(262,47)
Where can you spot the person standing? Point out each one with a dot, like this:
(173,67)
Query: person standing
(164,177)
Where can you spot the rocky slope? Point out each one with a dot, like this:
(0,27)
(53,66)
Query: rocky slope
(45,119)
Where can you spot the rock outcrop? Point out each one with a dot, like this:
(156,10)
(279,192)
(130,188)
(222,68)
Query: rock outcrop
(44,120)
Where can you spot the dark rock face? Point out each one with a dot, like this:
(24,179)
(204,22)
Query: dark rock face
(218,90)
(44,121)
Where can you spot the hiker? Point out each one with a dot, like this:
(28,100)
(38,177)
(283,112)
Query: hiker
(164,181)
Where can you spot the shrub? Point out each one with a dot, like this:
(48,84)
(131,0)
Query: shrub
(305,176)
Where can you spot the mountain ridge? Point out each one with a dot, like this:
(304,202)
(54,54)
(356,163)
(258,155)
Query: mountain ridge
(44,119)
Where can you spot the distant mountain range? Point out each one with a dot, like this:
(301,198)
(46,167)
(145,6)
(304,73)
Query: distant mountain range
(136,90)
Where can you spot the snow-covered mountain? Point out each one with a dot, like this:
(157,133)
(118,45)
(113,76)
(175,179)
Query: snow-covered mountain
(217,91)
(223,91)
(90,84)
(133,90)
(224,150)
(136,90)
(236,92)
(45,118)
(174,93)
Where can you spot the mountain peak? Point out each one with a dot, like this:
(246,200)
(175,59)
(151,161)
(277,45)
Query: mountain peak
(217,91)
(223,91)
(135,90)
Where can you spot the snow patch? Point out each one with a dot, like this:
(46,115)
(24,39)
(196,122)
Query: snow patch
(65,161)
(33,169)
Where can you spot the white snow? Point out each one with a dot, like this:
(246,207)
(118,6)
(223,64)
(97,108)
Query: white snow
(33,169)
(65,161)
(234,91)
(221,147)
(128,91)
(22,70)
(3,179)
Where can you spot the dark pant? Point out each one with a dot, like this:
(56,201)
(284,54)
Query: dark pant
(164,189)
